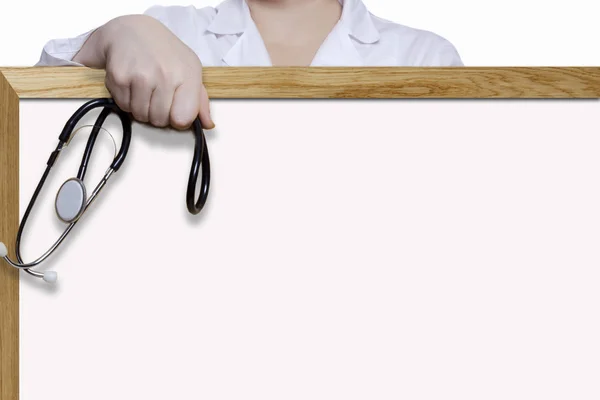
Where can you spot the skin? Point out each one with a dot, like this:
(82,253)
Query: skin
(156,77)
(294,30)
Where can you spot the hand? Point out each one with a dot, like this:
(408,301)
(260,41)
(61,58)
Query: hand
(150,72)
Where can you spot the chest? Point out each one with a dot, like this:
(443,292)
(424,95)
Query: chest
(250,49)
(292,55)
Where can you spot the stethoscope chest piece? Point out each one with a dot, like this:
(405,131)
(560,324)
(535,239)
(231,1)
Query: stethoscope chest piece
(70,200)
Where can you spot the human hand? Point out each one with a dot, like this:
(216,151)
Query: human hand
(150,72)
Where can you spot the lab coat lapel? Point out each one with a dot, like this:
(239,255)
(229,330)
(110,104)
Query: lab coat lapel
(248,50)
(338,50)
(354,28)
(234,18)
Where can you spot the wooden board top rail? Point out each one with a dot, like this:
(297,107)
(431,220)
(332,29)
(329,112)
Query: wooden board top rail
(335,82)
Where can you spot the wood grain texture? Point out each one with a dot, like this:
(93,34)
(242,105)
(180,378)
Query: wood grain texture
(336,82)
(9,222)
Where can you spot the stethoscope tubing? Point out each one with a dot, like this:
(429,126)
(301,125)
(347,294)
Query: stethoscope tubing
(200,159)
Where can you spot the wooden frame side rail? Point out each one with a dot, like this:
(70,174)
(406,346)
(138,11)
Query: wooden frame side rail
(249,83)
(9,223)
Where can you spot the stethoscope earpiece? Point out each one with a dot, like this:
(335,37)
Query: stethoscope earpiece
(48,276)
(3,250)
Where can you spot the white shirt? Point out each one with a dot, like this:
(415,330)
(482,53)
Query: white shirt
(227,36)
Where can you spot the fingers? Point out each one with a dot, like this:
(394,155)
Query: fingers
(145,96)
(160,106)
(205,117)
(152,98)
(186,105)
(132,94)
(119,89)
(189,102)
(142,87)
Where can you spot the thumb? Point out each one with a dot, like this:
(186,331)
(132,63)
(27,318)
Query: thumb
(184,109)
(204,112)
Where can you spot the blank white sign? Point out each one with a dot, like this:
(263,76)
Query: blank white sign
(349,250)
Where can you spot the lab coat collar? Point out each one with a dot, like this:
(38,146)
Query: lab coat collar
(231,19)
(358,22)
(338,48)
(234,18)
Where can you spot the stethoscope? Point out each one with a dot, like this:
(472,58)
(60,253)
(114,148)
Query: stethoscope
(72,199)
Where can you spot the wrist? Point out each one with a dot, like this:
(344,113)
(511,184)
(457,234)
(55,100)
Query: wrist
(107,34)
(94,53)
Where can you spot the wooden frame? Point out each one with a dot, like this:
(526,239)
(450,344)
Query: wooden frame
(248,82)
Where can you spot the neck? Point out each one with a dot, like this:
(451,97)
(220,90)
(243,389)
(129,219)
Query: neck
(282,4)
(292,21)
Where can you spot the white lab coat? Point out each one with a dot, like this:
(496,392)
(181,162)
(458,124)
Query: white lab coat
(227,36)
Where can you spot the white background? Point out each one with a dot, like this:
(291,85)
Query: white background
(418,250)
(486,33)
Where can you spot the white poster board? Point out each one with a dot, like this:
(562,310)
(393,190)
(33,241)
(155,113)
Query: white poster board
(366,249)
